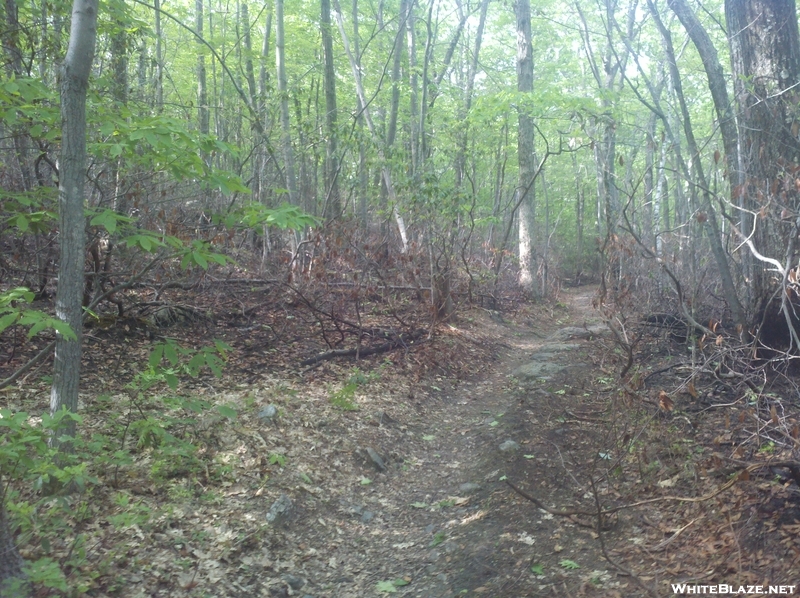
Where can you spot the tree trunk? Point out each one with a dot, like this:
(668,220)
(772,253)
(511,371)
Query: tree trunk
(74,81)
(119,63)
(286,136)
(461,155)
(333,203)
(385,171)
(202,90)
(15,67)
(159,82)
(363,175)
(10,560)
(413,82)
(525,147)
(765,55)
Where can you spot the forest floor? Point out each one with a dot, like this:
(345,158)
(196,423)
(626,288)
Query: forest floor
(392,477)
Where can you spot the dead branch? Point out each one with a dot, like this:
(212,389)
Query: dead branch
(400,340)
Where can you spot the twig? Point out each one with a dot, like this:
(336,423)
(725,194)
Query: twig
(611,561)
(664,543)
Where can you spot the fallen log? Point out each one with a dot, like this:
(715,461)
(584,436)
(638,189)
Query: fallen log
(400,340)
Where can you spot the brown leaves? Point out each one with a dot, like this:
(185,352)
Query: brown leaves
(665,403)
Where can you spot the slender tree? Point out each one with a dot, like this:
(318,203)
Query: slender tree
(333,204)
(202,89)
(525,146)
(283,92)
(74,81)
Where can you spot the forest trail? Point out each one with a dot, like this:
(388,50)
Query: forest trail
(439,521)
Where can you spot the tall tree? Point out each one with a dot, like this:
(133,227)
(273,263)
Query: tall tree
(765,56)
(159,77)
(386,173)
(202,90)
(525,146)
(700,183)
(283,92)
(74,81)
(333,204)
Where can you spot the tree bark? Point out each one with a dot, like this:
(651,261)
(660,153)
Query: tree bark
(159,79)
(74,81)
(10,560)
(202,89)
(525,147)
(286,135)
(765,56)
(333,204)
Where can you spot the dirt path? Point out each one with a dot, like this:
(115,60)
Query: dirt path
(440,521)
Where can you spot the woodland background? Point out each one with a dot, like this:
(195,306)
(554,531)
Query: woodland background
(423,157)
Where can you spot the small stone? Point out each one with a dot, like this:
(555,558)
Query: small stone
(280,510)
(367,516)
(469,487)
(294,582)
(429,529)
(508,446)
(268,412)
(376,459)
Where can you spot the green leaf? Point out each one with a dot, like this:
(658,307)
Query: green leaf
(529,456)
(419,505)
(386,587)
(365,481)
(172,380)
(200,260)
(155,356)
(170,353)
(8,320)
(22,223)
(568,564)
(429,437)
(537,569)
(228,412)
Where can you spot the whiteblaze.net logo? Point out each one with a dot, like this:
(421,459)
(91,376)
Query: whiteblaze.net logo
(730,590)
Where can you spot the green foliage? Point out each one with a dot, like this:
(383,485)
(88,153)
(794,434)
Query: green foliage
(11,314)
(390,586)
(164,144)
(256,215)
(277,459)
(30,211)
(178,361)
(344,397)
(161,431)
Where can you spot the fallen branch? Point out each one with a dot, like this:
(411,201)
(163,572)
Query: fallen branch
(792,466)
(401,340)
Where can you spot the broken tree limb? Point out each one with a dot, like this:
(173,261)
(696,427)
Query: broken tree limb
(401,340)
